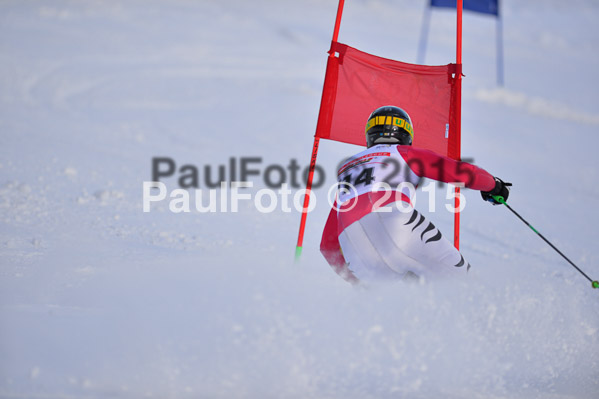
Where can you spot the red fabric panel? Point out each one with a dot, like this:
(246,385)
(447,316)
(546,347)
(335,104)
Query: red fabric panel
(357,83)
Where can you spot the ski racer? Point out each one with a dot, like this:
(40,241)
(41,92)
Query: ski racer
(373,233)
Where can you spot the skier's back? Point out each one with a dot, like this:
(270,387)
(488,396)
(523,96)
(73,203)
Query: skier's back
(373,233)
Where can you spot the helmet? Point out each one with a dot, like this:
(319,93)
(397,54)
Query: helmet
(389,125)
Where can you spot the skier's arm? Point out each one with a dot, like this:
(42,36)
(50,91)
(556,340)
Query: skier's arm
(331,250)
(431,165)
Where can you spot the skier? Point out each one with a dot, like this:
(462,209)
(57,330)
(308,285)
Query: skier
(373,233)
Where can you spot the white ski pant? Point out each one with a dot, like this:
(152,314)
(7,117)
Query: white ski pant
(387,245)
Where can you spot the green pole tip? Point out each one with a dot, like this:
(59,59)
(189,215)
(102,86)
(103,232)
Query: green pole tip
(595,284)
(499,199)
(298,253)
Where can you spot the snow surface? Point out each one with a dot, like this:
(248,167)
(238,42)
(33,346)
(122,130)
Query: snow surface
(98,299)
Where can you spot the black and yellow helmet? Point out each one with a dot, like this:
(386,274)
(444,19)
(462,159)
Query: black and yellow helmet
(389,125)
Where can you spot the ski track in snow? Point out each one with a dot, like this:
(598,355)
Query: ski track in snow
(536,106)
(98,299)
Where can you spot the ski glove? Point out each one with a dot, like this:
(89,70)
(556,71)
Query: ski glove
(501,189)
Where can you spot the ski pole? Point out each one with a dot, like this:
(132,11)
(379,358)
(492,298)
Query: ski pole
(500,199)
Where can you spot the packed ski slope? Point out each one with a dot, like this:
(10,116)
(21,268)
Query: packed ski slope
(99,299)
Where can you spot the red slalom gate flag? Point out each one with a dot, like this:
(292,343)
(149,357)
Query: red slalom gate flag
(356,83)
